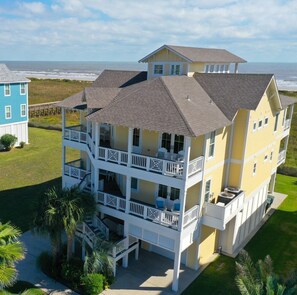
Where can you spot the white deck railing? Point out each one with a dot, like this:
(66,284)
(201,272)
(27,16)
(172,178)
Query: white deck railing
(162,217)
(195,166)
(172,168)
(97,222)
(84,231)
(281,156)
(287,124)
(223,214)
(75,133)
(73,169)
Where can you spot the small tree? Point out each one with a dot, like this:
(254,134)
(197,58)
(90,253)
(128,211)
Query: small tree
(11,251)
(259,278)
(8,141)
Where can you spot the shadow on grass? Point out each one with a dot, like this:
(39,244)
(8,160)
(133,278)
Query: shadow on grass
(17,205)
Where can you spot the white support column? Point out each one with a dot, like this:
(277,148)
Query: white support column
(177,260)
(172,139)
(96,140)
(63,121)
(128,193)
(130,146)
(96,180)
(183,192)
(126,235)
(236,68)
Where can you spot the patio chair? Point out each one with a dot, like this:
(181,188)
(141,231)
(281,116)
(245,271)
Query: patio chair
(169,204)
(176,205)
(180,155)
(160,203)
(162,153)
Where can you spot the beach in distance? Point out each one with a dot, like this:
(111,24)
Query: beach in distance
(285,73)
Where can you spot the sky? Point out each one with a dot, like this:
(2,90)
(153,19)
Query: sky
(127,30)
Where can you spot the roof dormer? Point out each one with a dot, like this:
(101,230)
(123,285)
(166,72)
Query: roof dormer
(179,60)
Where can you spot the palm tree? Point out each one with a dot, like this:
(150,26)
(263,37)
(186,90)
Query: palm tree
(11,251)
(100,260)
(260,279)
(63,210)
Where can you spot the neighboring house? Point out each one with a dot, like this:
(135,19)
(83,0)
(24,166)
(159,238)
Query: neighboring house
(182,157)
(13,104)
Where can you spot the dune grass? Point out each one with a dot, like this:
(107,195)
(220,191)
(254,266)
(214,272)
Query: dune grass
(48,90)
(277,237)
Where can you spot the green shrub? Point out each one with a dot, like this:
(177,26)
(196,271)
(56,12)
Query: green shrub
(45,263)
(72,271)
(22,144)
(285,170)
(8,141)
(93,283)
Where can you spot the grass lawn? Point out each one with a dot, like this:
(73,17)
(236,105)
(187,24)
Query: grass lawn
(278,238)
(48,90)
(26,173)
(291,159)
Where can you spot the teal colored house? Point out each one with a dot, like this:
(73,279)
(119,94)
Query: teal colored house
(13,104)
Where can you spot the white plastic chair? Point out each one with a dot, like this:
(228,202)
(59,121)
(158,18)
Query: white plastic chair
(162,153)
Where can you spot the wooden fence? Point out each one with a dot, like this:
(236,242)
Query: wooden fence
(44,109)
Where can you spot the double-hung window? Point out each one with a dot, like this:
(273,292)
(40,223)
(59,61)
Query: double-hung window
(136,137)
(6,89)
(7,112)
(178,143)
(23,110)
(158,69)
(207,191)
(211,144)
(174,194)
(162,192)
(254,168)
(175,70)
(23,88)
(166,141)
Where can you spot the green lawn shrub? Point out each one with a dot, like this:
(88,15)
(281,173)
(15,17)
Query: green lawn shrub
(93,283)
(72,271)
(8,141)
(289,171)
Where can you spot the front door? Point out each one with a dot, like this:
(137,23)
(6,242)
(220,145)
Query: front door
(136,148)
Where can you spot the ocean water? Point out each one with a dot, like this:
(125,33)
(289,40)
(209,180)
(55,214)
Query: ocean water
(285,73)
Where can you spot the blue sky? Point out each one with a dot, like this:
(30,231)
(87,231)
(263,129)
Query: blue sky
(127,30)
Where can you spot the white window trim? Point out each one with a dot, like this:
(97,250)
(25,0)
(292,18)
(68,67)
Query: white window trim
(175,64)
(9,90)
(262,123)
(255,125)
(25,110)
(226,68)
(158,64)
(24,88)
(214,144)
(9,106)
(265,157)
(266,118)
(204,190)
(254,172)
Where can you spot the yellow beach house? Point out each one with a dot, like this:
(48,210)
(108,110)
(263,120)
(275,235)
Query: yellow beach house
(181,158)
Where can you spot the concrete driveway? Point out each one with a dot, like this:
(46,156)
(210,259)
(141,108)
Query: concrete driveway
(150,275)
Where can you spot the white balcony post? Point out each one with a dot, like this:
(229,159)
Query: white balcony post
(96,183)
(128,193)
(96,141)
(187,157)
(126,235)
(177,259)
(63,121)
(236,68)
(130,146)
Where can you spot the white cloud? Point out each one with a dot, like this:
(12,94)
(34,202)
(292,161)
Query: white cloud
(33,7)
(133,28)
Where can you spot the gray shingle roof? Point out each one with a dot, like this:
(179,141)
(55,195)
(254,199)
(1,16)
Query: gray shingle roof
(119,78)
(287,100)
(7,76)
(194,54)
(98,98)
(231,92)
(162,104)
(75,101)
